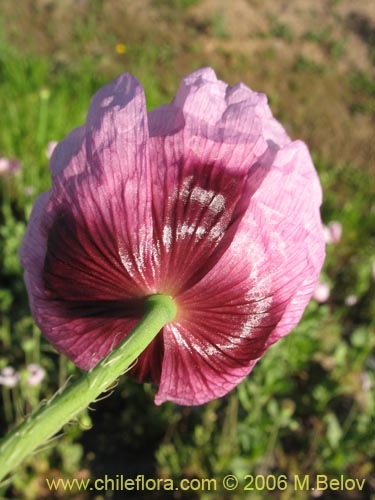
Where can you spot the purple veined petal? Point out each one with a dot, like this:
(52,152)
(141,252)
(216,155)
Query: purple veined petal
(205,199)
(68,156)
(194,372)
(32,253)
(112,152)
(89,338)
(211,135)
(202,95)
(58,297)
(257,291)
(294,216)
(200,168)
(206,99)
(272,130)
(196,218)
(217,337)
(86,250)
(84,326)
(148,367)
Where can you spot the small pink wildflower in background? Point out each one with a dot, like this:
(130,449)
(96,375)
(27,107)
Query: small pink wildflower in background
(29,190)
(317,493)
(321,292)
(9,377)
(351,300)
(333,232)
(205,199)
(366,382)
(9,166)
(36,374)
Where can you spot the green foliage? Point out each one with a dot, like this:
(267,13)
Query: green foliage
(362,82)
(281,30)
(179,4)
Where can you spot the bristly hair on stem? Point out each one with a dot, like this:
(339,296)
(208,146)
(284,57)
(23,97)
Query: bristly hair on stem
(42,424)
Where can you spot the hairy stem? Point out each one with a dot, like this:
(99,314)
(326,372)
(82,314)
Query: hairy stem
(50,418)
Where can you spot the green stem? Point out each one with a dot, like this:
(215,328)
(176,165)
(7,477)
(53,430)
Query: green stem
(7,404)
(48,419)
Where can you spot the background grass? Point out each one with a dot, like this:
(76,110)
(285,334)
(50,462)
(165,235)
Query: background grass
(309,405)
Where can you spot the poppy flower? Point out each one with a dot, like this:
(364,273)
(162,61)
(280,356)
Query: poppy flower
(205,199)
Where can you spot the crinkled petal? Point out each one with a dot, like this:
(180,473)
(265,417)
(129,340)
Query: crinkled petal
(257,291)
(68,157)
(201,96)
(204,146)
(32,253)
(205,199)
(194,372)
(86,250)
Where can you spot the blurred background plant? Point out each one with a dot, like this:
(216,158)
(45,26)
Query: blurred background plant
(309,405)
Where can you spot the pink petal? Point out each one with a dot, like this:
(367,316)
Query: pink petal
(78,320)
(193,372)
(85,251)
(32,253)
(68,157)
(207,100)
(257,291)
(205,199)
(257,280)
(207,190)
